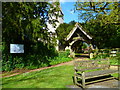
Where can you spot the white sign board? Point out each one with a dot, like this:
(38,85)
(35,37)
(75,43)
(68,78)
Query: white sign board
(16,48)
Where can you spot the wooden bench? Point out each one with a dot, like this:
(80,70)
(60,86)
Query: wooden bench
(91,71)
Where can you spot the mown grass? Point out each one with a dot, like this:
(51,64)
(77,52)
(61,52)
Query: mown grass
(56,77)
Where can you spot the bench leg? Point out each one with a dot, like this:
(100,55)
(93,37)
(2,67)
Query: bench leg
(83,80)
(83,83)
(75,80)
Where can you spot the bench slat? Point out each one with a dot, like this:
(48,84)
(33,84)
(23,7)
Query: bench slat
(91,64)
(100,72)
(97,73)
(86,70)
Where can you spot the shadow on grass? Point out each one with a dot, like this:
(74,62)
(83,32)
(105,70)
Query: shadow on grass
(41,78)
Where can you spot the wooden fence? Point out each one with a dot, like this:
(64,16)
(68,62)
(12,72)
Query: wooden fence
(111,52)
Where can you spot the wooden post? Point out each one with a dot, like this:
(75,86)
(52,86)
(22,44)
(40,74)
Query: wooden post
(91,55)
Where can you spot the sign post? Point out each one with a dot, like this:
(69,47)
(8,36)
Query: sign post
(14,49)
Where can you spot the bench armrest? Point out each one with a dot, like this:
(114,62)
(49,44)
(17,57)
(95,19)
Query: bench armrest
(115,67)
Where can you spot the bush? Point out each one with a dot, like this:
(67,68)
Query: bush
(101,56)
(115,60)
(68,52)
(33,61)
(62,57)
(37,57)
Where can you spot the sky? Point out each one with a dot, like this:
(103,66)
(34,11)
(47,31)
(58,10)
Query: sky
(67,9)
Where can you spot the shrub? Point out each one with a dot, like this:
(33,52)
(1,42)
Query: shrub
(33,61)
(62,57)
(38,57)
(115,60)
(101,56)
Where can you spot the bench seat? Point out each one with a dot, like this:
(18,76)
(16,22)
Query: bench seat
(97,73)
(92,69)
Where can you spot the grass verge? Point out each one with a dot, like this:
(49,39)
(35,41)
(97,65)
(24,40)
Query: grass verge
(56,77)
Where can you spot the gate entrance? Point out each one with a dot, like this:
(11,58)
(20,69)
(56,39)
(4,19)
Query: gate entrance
(77,37)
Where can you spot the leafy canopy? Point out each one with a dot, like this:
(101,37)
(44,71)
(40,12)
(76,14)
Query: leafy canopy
(90,10)
(25,23)
(101,20)
(63,30)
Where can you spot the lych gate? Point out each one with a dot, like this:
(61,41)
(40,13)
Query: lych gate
(76,37)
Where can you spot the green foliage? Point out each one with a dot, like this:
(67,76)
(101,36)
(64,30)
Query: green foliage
(84,46)
(36,61)
(24,23)
(63,30)
(48,78)
(115,60)
(104,35)
(62,57)
(101,56)
(90,10)
(1,46)
(101,21)
(67,52)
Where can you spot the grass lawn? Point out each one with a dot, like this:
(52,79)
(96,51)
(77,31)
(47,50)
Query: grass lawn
(56,77)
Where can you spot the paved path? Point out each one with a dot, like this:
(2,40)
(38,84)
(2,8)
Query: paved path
(104,85)
(66,63)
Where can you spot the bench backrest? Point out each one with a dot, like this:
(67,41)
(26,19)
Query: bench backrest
(91,64)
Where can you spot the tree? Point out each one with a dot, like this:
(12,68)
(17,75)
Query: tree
(90,10)
(29,19)
(63,30)
(104,35)
(24,23)
(101,20)
(72,23)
